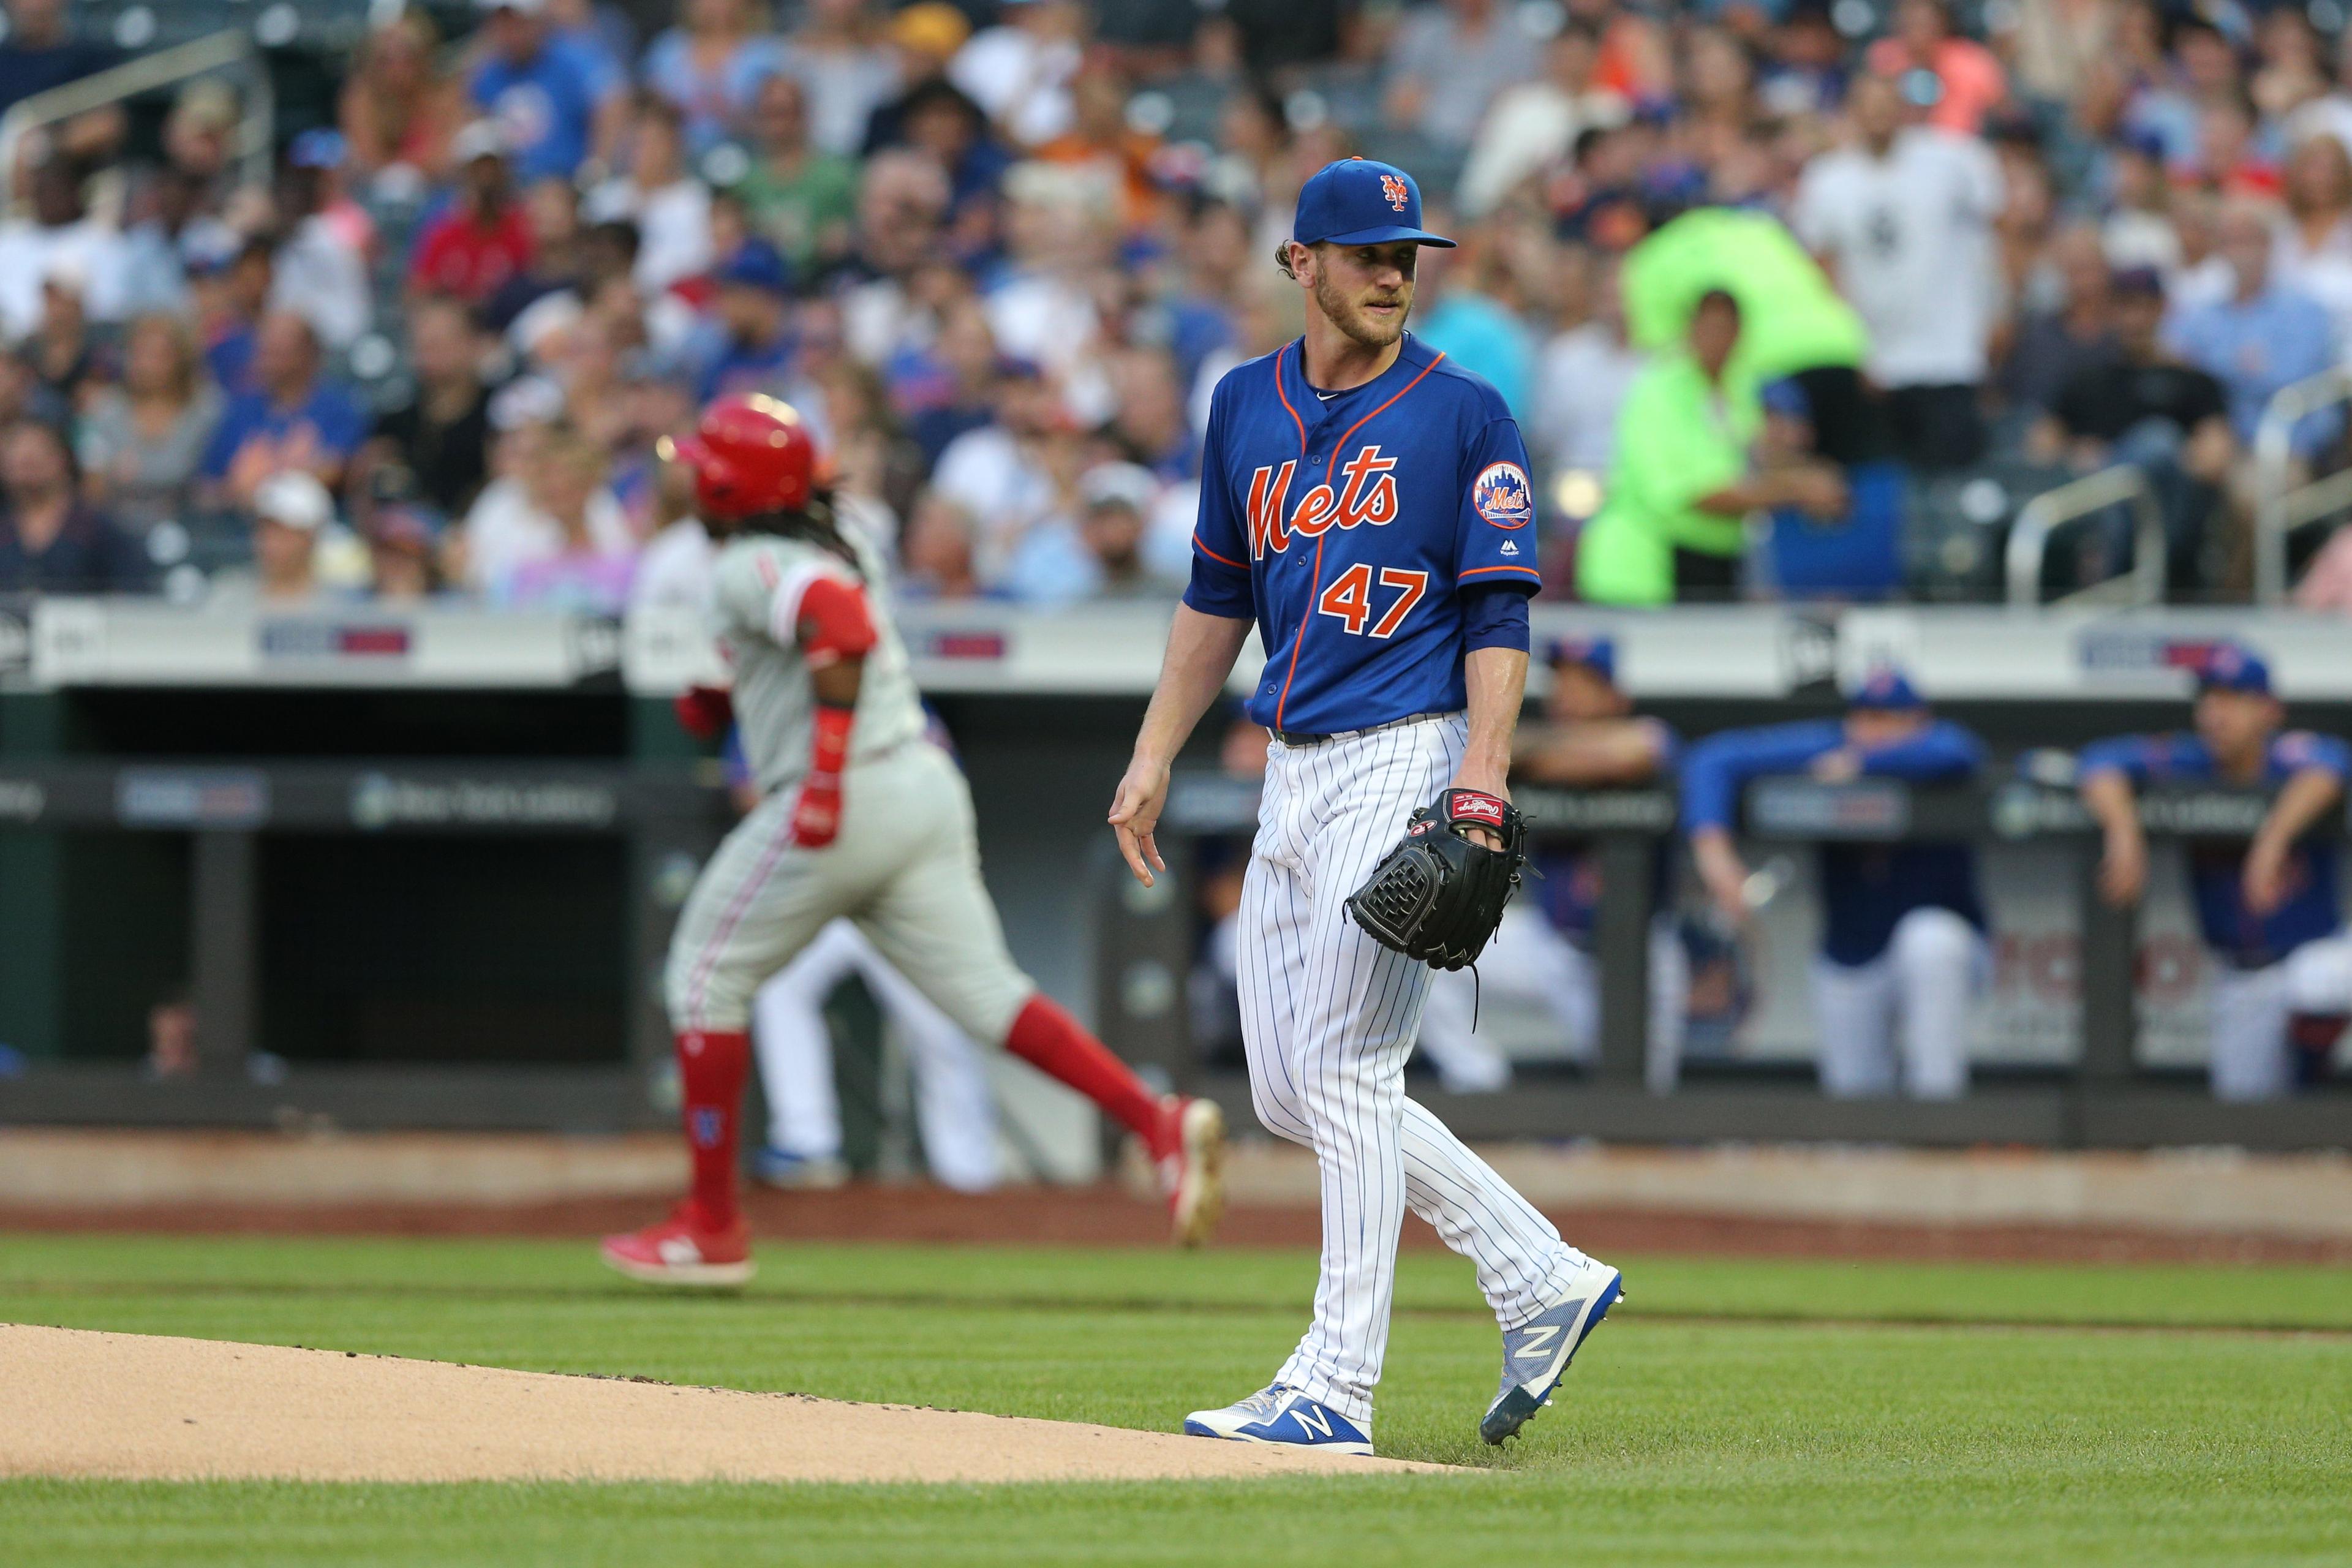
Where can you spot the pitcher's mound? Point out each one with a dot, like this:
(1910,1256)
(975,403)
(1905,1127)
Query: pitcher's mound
(138,1407)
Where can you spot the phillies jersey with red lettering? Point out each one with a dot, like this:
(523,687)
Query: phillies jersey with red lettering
(1349,529)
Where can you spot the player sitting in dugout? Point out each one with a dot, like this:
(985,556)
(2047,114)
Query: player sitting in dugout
(1903,933)
(2268,907)
(1543,952)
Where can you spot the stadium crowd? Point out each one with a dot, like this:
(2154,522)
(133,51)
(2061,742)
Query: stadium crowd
(999,252)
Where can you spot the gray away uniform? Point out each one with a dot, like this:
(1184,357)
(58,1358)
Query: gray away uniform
(905,865)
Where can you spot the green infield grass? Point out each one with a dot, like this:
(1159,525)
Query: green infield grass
(1730,1412)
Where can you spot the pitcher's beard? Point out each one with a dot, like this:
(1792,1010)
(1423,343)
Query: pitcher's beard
(1342,313)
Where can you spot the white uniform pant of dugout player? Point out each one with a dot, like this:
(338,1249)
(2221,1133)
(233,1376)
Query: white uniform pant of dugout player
(1919,996)
(954,1108)
(904,868)
(1328,1017)
(1529,961)
(2250,1057)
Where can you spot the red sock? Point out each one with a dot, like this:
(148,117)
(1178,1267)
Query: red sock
(1050,1040)
(711,1063)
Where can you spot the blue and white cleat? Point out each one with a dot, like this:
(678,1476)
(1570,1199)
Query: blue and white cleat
(1536,1354)
(783,1169)
(1279,1414)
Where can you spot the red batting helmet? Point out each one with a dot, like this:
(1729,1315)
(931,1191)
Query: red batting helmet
(748,454)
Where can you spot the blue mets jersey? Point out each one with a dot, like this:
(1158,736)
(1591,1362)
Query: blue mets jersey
(2312,909)
(1350,529)
(1865,888)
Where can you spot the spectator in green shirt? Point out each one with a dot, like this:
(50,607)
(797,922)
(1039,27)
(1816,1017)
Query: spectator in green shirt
(803,197)
(1673,524)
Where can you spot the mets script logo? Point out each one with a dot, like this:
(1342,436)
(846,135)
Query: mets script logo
(1366,493)
(1502,495)
(1396,190)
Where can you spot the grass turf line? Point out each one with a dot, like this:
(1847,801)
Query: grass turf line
(1676,1442)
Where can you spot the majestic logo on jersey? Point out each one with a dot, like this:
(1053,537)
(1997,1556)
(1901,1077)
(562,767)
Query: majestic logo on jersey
(1503,496)
(1396,190)
(1367,494)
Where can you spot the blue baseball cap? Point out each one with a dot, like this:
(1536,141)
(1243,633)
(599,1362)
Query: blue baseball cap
(1359,202)
(1598,655)
(756,264)
(2234,666)
(1885,690)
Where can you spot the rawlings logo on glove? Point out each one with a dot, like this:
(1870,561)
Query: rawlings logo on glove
(1438,896)
(1470,805)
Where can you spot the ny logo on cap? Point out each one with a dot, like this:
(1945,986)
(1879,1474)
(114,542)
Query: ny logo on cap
(1396,190)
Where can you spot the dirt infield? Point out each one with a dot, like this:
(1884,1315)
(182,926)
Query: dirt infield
(1106,1216)
(132,1406)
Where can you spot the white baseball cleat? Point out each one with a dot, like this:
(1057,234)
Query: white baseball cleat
(1283,1415)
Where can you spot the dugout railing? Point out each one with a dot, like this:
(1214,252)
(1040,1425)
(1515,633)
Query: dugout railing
(2102,1097)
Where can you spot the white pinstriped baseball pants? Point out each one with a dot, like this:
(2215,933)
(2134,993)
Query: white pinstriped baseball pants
(1328,1017)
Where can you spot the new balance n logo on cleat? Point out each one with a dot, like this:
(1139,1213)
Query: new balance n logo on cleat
(1284,1416)
(1536,1354)
(1536,1344)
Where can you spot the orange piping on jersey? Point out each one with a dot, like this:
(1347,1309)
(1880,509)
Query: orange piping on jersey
(1213,555)
(1475,571)
(1295,419)
(1314,591)
(1314,582)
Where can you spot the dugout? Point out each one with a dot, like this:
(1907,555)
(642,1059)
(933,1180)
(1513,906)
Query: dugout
(423,862)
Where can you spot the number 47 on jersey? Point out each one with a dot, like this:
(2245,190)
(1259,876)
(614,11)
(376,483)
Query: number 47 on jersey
(1348,599)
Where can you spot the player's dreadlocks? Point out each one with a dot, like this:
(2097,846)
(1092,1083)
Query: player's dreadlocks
(817,524)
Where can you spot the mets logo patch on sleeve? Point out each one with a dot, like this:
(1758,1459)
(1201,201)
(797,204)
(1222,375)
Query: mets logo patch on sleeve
(1503,495)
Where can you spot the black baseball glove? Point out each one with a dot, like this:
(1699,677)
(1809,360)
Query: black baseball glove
(1437,896)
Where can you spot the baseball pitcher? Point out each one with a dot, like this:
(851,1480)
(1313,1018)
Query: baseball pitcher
(863,817)
(1365,503)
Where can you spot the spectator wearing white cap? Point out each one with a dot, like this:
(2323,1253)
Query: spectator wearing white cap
(483,238)
(290,512)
